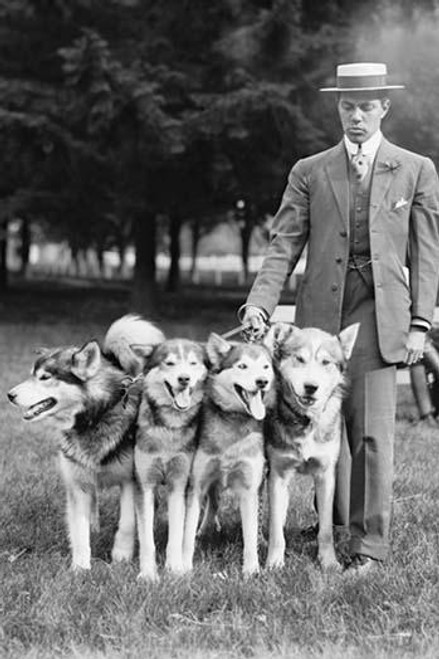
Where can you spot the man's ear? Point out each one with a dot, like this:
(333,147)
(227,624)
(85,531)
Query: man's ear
(217,348)
(385,102)
(86,361)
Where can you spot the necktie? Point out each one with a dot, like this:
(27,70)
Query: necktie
(360,164)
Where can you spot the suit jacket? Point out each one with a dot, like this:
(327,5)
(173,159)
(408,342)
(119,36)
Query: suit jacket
(404,232)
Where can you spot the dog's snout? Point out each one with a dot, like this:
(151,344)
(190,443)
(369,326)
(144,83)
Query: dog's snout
(183,379)
(310,388)
(12,396)
(261,383)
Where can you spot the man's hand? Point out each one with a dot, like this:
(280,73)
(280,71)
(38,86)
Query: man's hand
(415,346)
(255,323)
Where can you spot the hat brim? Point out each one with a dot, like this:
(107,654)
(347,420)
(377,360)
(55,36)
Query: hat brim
(361,89)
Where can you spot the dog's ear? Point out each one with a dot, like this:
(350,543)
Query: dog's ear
(277,335)
(217,348)
(347,338)
(42,352)
(139,356)
(86,361)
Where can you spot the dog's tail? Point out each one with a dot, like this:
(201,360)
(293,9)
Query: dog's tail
(130,340)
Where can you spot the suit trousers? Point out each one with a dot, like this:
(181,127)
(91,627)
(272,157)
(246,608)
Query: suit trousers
(364,486)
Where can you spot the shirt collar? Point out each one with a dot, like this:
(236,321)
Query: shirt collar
(369,147)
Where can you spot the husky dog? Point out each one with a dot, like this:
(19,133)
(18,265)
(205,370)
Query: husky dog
(231,446)
(303,429)
(91,397)
(173,391)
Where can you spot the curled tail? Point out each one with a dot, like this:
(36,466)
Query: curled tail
(131,339)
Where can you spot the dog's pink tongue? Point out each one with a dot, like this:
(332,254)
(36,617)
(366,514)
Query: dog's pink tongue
(183,399)
(257,407)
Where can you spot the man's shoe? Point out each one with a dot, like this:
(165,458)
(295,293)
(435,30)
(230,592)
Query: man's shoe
(361,565)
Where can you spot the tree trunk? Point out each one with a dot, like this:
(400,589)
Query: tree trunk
(143,291)
(196,234)
(173,283)
(3,255)
(99,250)
(121,250)
(25,246)
(246,232)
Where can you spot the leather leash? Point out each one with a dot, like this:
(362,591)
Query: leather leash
(246,332)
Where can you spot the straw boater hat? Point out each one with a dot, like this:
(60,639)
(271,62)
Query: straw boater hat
(361,77)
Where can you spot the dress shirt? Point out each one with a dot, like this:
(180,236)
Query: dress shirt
(369,148)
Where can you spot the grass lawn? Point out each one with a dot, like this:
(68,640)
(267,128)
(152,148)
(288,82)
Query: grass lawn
(46,611)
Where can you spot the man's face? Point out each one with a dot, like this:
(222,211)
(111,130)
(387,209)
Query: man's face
(361,114)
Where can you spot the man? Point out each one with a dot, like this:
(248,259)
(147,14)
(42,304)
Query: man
(367,210)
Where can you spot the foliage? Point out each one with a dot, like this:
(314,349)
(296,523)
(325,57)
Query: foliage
(116,112)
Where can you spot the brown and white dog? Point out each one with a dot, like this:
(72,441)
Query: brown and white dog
(91,398)
(172,396)
(303,429)
(230,451)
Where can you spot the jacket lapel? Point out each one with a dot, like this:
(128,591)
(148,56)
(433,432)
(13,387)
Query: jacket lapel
(386,163)
(337,171)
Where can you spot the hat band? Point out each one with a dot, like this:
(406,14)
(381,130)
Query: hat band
(349,82)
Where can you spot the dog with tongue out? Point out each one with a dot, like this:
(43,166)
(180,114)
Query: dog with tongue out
(173,390)
(230,451)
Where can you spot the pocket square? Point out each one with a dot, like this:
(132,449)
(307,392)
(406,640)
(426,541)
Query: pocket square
(400,203)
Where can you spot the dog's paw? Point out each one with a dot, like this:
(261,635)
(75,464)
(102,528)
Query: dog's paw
(275,560)
(175,567)
(329,563)
(150,575)
(119,555)
(187,567)
(250,570)
(79,566)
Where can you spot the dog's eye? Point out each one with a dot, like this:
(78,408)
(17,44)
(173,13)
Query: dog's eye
(170,362)
(300,359)
(193,363)
(44,376)
(242,366)
(266,367)
(326,362)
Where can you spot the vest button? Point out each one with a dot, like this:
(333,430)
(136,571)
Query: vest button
(343,234)
(334,287)
(338,259)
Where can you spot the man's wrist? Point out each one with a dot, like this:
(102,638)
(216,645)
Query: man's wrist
(242,309)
